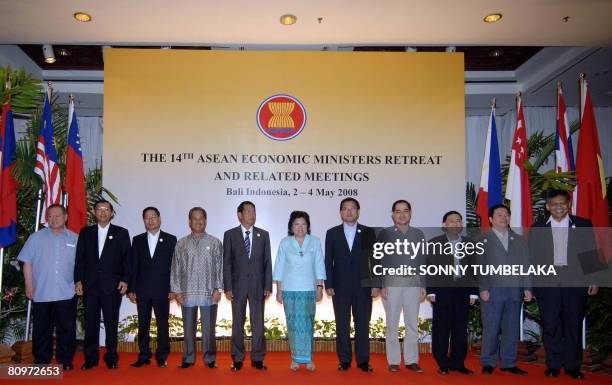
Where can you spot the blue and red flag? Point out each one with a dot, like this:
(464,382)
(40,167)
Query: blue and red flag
(46,162)
(8,184)
(490,192)
(74,182)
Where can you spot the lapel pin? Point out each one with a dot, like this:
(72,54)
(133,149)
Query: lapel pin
(485,240)
(258,235)
(161,239)
(358,230)
(110,237)
(512,238)
(573,225)
(207,247)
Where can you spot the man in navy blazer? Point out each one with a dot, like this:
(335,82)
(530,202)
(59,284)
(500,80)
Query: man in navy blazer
(348,249)
(101,276)
(149,288)
(562,240)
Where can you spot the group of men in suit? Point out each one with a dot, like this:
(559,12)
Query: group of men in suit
(107,266)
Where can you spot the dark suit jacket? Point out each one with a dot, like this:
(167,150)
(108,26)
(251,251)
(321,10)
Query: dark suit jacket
(510,287)
(245,276)
(581,252)
(102,275)
(445,287)
(150,277)
(349,270)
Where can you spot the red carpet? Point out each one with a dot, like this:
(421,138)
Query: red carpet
(278,373)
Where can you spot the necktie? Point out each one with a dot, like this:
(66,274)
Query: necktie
(247,244)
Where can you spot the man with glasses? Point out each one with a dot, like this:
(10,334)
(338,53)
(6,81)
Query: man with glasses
(149,288)
(101,276)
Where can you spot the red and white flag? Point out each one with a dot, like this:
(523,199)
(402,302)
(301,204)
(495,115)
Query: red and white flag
(74,182)
(564,151)
(518,188)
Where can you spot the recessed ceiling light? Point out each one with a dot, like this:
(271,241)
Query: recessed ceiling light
(288,19)
(496,52)
(82,16)
(492,18)
(48,53)
(63,52)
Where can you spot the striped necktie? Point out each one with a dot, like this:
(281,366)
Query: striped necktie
(247,244)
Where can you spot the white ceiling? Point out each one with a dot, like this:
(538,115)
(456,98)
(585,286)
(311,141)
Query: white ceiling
(350,22)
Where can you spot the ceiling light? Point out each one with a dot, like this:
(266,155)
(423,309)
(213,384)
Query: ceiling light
(288,19)
(492,18)
(63,52)
(48,53)
(82,16)
(410,49)
(496,52)
(451,48)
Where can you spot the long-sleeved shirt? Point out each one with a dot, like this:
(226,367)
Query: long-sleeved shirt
(299,268)
(197,269)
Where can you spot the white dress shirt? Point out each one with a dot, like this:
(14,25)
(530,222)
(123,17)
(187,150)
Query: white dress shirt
(559,234)
(102,232)
(152,240)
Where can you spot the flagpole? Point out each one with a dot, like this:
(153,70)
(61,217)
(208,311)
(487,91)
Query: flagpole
(581,81)
(36,226)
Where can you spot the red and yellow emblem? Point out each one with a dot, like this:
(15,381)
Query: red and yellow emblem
(281,117)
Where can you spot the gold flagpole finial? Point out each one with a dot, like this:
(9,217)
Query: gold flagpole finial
(49,89)
(493,103)
(71,97)
(559,84)
(582,76)
(7,85)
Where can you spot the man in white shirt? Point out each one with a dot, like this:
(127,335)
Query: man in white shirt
(149,288)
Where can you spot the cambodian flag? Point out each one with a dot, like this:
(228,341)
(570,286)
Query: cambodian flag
(8,184)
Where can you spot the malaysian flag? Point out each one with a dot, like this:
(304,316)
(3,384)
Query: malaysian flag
(46,162)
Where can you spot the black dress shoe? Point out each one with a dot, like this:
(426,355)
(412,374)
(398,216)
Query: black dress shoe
(141,362)
(487,369)
(414,367)
(162,363)
(112,365)
(575,374)
(552,372)
(87,366)
(344,366)
(443,371)
(462,370)
(67,367)
(259,365)
(365,367)
(236,366)
(212,365)
(515,370)
(185,365)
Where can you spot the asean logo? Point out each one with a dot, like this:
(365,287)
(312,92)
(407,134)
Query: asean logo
(281,117)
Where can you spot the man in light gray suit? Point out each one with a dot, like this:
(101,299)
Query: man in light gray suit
(247,275)
(501,295)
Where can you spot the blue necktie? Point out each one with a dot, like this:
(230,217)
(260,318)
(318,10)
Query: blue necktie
(247,244)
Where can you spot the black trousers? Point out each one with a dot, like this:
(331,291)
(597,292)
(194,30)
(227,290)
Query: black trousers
(449,322)
(109,304)
(60,315)
(161,307)
(256,316)
(359,303)
(562,310)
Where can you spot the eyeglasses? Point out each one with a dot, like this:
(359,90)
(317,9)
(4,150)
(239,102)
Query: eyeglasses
(150,218)
(102,209)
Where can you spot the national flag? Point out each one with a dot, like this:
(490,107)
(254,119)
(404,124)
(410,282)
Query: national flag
(590,193)
(490,192)
(518,188)
(74,181)
(564,151)
(8,184)
(46,162)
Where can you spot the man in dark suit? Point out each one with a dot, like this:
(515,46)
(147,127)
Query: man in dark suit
(348,248)
(247,275)
(561,241)
(101,275)
(501,295)
(149,288)
(450,298)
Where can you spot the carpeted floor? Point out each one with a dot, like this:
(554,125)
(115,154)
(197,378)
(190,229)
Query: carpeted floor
(278,373)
